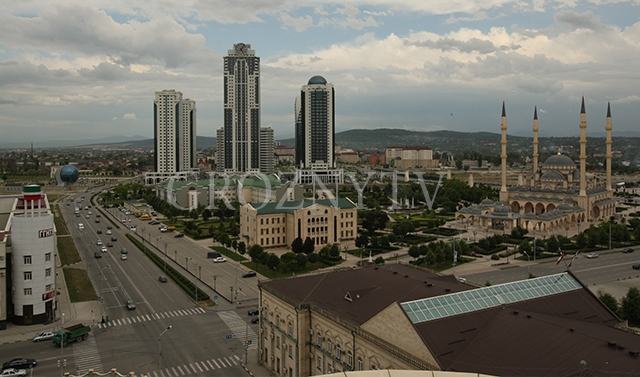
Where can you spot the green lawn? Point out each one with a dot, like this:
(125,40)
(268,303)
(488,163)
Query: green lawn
(78,284)
(67,250)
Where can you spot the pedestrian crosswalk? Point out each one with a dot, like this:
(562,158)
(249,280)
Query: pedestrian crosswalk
(240,328)
(198,368)
(151,317)
(86,356)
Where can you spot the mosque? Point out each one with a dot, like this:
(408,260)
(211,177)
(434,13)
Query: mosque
(557,197)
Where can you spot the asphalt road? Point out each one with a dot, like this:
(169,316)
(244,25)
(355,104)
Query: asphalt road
(203,342)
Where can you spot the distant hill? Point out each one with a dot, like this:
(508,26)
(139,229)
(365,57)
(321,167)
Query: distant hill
(201,141)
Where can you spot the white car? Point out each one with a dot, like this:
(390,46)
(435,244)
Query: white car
(43,336)
(109,231)
(123,256)
(103,249)
(13,372)
(219,260)
(592,255)
(99,242)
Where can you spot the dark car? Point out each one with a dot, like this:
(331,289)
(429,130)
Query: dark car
(99,231)
(627,250)
(109,227)
(114,239)
(213,254)
(249,274)
(179,235)
(255,320)
(636,266)
(109,244)
(97,255)
(19,363)
(253,311)
(130,305)
(162,279)
(123,250)
(97,220)
(98,215)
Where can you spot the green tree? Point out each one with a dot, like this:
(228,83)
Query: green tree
(379,260)
(309,246)
(361,241)
(297,246)
(609,301)
(242,247)
(582,241)
(414,251)
(373,220)
(553,245)
(255,251)
(273,262)
(402,228)
(630,306)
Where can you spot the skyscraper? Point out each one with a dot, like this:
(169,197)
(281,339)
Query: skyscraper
(174,129)
(241,130)
(315,124)
(266,150)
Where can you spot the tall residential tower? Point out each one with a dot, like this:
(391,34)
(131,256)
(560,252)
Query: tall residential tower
(315,124)
(240,150)
(174,131)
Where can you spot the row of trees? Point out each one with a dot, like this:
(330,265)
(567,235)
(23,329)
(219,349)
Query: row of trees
(298,258)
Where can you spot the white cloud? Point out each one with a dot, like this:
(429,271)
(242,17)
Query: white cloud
(298,23)
(114,118)
(129,116)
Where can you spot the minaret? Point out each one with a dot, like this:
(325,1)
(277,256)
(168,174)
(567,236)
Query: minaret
(583,150)
(608,127)
(503,127)
(535,140)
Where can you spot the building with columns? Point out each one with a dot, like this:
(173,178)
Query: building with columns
(557,196)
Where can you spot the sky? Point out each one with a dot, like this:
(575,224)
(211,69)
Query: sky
(89,69)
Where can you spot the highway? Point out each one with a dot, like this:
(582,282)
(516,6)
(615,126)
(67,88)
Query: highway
(194,341)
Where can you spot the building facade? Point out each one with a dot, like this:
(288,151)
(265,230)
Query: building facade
(267,154)
(174,132)
(409,157)
(315,123)
(241,131)
(277,224)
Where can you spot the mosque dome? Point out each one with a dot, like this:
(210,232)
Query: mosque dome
(559,160)
(552,176)
(564,208)
(317,80)
(486,202)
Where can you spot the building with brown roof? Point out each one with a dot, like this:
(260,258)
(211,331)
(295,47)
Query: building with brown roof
(401,317)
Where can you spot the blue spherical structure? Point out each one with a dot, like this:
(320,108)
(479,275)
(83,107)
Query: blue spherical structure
(69,174)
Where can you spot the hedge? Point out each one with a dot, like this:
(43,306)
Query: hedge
(185,284)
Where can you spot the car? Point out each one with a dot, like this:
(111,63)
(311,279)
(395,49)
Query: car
(109,244)
(114,239)
(13,372)
(154,222)
(219,260)
(98,215)
(162,227)
(130,305)
(99,242)
(123,256)
(43,336)
(68,204)
(255,320)
(636,266)
(97,255)
(109,231)
(249,274)
(627,250)
(103,249)
(123,250)
(133,228)
(88,217)
(253,311)
(162,279)
(89,213)
(179,235)
(592,255)
(213,254)
(97,220)
(99,231)
(109,227)
(19,362)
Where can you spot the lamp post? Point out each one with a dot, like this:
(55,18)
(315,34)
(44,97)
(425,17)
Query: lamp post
(176,257)
(62,335)
(186,263)
(528,260)
(214,283)
(534,245)
(101,287)
(609,234)
(160,346)
(196,279)
(158,241)
(165,257)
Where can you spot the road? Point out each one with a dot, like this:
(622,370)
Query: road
(197,341)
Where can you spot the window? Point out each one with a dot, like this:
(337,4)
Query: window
(27,259)
(47,257)
(278,321)
(48,287)
(27,275)
(290,348)
(330,347)
(278,342)
(319,339)
(290,328)
(349,359)
(47,272)
(360,366)
(338,352)
(27,291)
(319,363)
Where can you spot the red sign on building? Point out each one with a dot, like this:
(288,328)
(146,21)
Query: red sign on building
(47,295)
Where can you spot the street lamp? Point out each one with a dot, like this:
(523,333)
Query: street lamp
(158,241)
(214,283)
(101,287)
(176,257)
(62,335)
(165,257)
(160,347)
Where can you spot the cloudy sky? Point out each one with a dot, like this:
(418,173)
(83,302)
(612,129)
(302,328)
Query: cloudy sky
(89,69)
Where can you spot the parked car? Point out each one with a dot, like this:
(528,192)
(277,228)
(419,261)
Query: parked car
(636,266)
(154,222)
(255,320)
(130,305)
(592,255)
(19,363)
(219,260)
(627,250)
(13,372)
(253,311)
(162,279)
(249,274)
(43,336)
(179,235)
